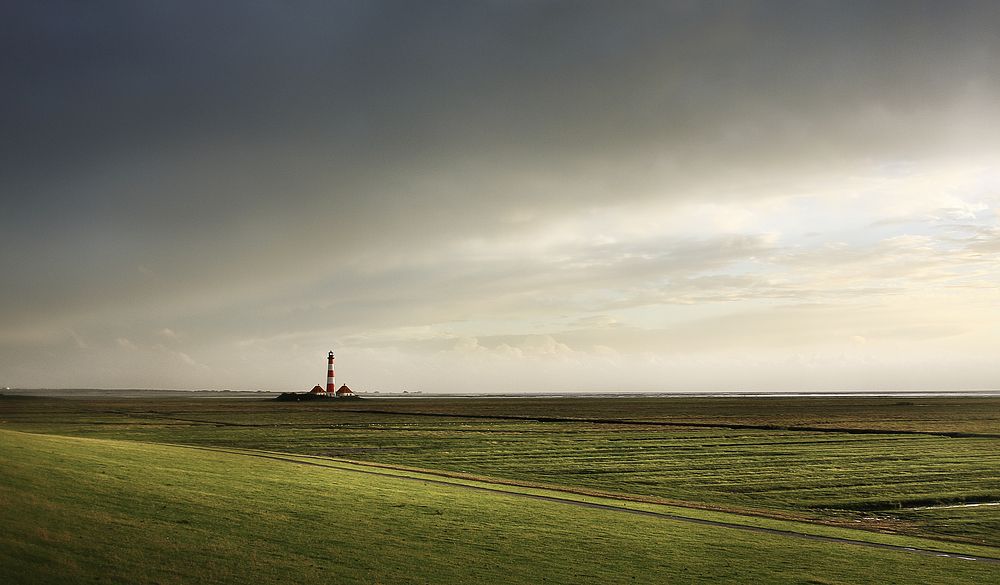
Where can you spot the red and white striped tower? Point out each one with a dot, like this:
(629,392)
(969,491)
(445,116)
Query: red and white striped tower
(331,386)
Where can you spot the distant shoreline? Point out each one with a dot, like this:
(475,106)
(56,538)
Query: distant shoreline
(161,393)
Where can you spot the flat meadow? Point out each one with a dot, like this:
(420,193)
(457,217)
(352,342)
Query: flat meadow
(175,490)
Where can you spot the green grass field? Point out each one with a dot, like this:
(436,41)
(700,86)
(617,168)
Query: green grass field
(118,498)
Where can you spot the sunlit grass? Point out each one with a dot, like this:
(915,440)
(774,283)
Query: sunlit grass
(77,510)
(854,478)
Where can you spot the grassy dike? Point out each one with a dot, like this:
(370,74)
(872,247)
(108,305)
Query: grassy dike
(76,510)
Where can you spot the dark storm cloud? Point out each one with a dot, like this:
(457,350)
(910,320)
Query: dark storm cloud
(181,113)
(414,79)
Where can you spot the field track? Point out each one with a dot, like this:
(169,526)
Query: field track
(608,507)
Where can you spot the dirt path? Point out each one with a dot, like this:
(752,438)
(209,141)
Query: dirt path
(621,509)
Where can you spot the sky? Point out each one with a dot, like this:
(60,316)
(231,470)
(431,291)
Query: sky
(501,196)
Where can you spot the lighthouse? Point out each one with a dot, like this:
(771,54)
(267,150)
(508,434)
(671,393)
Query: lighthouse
(331,386)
